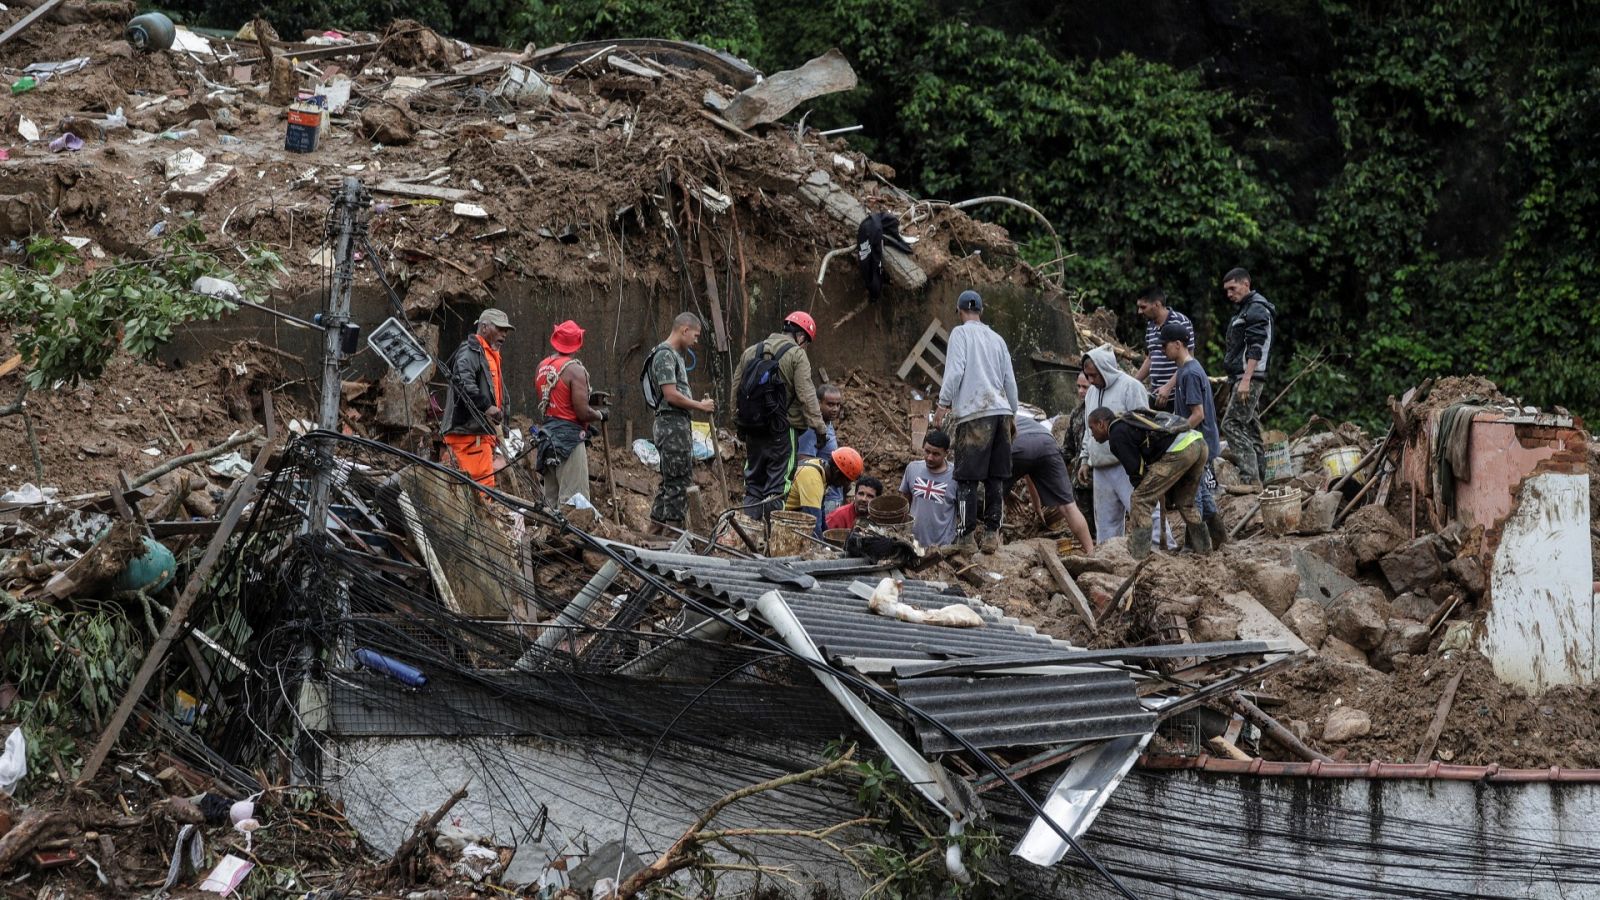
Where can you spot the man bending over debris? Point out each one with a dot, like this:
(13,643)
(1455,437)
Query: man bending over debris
(666,390)
(980,390)
(562,388)
(813,477)
(830,400)
(474,404)
(1192,400)
(1249,345)
(868,489)
(1117,391)
(930,485)
(1164,464)
(775,402)
(1035,456)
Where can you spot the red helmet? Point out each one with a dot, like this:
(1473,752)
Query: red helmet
(806,323)
(846,459)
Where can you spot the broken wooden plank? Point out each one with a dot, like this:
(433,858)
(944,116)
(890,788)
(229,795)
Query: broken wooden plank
(713,296)
(27,20)
(242,495)
(820,191)
(725,125)
(1225,747)
(1052,564)
(773,98)
(408,511)
(628,67)
(425,191)
(925,343)
(1275,728)
(1446,700)
(11,365)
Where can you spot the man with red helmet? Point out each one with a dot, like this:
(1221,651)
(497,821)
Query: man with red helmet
(775,401)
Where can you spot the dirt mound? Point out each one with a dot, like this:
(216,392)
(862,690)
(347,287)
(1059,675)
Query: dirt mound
(1455,388)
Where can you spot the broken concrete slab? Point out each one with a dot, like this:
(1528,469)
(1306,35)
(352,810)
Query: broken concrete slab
(1319,580)
(773,98)
(1334,549)
(1360,617)
(1256,623)
(1317,516)
(196,186)
(820,191)
(1418,564)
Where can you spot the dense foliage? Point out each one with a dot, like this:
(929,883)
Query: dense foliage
(1414,184)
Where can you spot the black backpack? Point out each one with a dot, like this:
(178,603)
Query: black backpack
(653,395)
(763,401)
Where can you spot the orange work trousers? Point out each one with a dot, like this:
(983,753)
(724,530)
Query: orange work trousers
(474,455)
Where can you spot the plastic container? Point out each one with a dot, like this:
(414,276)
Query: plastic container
(23,85)
(393,668)
(1280,465)
(790,528)
(890,509)
(1280,510)
(1341,461)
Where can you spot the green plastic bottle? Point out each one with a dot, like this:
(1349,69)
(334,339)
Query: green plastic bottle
(23,85)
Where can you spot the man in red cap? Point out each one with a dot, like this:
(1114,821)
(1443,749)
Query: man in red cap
(474,405)
(775,401)
(561,388)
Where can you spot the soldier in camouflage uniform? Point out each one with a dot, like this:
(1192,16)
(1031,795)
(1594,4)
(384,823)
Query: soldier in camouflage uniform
(666,390)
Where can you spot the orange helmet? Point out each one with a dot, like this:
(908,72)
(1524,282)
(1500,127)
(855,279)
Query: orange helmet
(806,323)
(848,461)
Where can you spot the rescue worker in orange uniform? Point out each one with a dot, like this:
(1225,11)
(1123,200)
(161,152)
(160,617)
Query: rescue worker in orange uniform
(474,407)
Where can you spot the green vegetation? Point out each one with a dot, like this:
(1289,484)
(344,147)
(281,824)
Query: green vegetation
(1414,184)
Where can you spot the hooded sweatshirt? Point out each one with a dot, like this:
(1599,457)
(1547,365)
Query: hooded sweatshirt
(1121,394)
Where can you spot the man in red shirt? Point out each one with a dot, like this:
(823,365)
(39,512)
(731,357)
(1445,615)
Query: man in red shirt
(561,388)
(868,489)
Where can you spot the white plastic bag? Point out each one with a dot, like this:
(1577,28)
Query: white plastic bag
(14,763)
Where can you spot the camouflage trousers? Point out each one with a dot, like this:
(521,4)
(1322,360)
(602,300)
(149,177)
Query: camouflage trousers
(674,437)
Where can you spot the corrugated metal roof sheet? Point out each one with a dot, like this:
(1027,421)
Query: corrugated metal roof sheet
(1024,710)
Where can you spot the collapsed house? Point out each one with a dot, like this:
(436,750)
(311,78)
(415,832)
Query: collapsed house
(495,692)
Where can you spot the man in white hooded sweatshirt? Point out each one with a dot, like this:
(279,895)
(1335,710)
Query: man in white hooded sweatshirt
(1119,392)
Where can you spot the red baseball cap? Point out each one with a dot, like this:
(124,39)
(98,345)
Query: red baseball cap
(567,337)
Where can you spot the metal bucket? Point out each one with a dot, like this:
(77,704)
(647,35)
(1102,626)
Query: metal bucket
(1280,510)
(890,509)
(1341,461)
(1279,464)
(790,528)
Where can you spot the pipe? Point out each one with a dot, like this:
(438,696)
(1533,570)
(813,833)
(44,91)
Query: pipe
(572,616)
(1279,733)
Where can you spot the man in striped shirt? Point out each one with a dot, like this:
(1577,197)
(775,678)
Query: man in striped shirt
(1157,366)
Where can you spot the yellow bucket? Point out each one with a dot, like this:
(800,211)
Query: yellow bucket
(1341,461)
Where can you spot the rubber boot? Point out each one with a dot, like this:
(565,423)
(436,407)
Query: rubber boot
(1196,537)
(1217,529)
(1139,543)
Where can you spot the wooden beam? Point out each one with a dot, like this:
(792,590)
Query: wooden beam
(1052,564)
(243,494)
(425,191)
(713,296)
(1275,728)
(28,20)
(1446,700)
(628,67)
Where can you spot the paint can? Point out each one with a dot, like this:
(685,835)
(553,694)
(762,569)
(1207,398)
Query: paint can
(305,128)
(1280,510)
(1341,461)
(1279,464)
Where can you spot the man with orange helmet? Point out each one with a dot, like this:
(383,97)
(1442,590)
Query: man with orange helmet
(775,400)
(814,476)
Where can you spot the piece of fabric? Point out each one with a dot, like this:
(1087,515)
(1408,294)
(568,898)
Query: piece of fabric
(769,463)
(1249,336)
(473,388)
(1452,449)
(674,438)
(1112,494)
(1121,394)
(978,378)
(666,367)
(1036,456)
(982,448)
(1172,480)
(1163,368)
(933,503)
(555,395)
(795,367)
(569,478)
(474,455)
(806,446)
(843,517)
(1241,428)
(875,230)
(1193,389)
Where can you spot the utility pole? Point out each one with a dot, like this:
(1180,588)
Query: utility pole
(352,205)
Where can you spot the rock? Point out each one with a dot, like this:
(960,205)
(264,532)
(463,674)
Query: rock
(1333,549)
(1373,534)
(1345,723)
(1359,617)
(1317,516)
(1469,572)
(1335,650)
(1308,619)
(199,502)
(1403,637)
(1417,564)
(1219,626)
(1412,605)
(1183,607)
(1114,551)
(387,124)
(1273,585)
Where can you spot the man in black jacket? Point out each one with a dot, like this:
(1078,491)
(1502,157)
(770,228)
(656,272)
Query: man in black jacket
(1165,467)
(474,405)
(1249,348)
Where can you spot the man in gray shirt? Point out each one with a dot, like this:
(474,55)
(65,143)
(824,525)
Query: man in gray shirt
(979,396)
(932,491)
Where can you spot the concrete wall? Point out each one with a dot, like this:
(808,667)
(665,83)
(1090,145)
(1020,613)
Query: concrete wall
(623,327)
